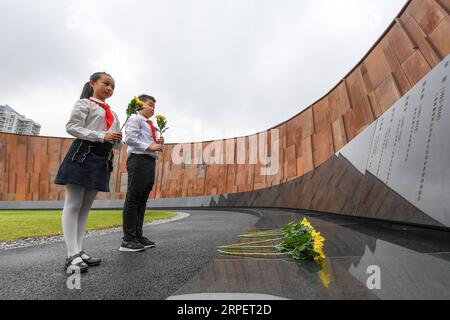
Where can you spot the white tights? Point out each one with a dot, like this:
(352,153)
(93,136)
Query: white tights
(75,214)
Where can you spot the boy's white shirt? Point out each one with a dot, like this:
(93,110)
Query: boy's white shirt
(138,136)
(87,122)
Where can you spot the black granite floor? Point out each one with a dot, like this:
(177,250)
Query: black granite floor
(413,263)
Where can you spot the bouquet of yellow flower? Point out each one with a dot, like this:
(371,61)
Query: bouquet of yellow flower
(161,123)
(299,240)
(134,106)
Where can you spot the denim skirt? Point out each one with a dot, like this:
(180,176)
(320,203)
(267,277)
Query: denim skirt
(87,164)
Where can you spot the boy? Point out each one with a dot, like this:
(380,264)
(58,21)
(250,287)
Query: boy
(143,148)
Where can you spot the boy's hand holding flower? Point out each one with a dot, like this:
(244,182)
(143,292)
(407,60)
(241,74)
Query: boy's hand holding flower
(155,147)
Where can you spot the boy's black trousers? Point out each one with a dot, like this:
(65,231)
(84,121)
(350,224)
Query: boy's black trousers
(141,177)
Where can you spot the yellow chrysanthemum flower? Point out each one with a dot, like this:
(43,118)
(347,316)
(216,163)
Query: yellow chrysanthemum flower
(139,101)
(306,223)
(317,236)
(318,245)
(160,117)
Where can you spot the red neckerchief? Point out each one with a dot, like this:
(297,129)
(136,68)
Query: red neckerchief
(153,129)
(109,115)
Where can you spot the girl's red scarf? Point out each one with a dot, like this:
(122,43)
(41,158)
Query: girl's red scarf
(109,115)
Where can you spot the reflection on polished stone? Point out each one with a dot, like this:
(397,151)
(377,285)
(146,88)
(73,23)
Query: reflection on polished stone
(225,296)
(413,263)
(408,275)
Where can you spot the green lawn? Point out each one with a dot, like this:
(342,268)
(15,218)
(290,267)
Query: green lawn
(25,224)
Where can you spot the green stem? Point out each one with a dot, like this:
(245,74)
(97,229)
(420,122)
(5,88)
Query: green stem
(262,235)
(251,254)
(128,117)
(252,242)
(269,230)
(124,123)
(245,247)
(262,232)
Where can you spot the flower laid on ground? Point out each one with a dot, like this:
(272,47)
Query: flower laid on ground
(161,123)
(134,106)
(298,240)
(301,241)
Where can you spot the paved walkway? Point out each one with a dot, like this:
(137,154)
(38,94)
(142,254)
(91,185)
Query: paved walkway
(409,262)
(184,248)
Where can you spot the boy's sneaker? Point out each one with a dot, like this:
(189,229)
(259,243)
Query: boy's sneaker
(147,243)
(131,246)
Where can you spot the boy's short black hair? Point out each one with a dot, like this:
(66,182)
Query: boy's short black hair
(145,97)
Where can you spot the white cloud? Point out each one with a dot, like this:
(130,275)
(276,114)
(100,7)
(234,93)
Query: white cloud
(217,68)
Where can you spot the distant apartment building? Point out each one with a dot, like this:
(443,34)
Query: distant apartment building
(13,122)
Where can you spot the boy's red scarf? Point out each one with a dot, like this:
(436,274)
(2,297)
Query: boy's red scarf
(109,115)
(153,129)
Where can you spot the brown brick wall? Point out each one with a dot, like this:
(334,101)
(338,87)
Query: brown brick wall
(415,42)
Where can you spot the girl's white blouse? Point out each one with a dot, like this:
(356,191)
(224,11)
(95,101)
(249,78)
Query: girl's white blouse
(87,121)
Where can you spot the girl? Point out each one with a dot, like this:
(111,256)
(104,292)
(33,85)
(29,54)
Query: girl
(87,167)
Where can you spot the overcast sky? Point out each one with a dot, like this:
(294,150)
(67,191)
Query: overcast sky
(218,68)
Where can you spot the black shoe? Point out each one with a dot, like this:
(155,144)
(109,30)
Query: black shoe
(131,246)
(73,267)
(91,262)
(147,243)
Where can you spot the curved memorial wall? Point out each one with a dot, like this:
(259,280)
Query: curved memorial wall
(374,146)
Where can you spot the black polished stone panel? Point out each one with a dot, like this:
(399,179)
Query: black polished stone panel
(414,264)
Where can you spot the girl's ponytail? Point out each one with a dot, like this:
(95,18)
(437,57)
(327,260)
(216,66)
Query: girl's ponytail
(87,91)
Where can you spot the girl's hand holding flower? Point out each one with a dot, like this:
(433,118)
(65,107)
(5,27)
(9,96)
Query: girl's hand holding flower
(113,136)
